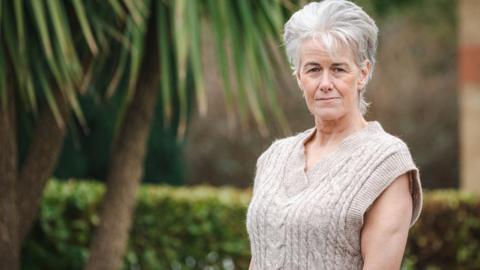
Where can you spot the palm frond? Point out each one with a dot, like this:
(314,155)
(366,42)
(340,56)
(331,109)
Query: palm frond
(181,44)
(54,65)
(87,32)
(218,23)
(194,29)
(65,60)
(164,43)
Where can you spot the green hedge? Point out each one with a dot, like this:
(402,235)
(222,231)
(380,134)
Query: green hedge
(204,228)
(447,235)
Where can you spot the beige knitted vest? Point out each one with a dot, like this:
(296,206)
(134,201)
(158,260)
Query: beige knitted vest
(312,220)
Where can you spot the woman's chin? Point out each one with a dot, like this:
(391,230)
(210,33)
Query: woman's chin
(327,114)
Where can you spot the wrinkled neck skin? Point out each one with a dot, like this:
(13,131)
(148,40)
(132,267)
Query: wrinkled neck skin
(332,132)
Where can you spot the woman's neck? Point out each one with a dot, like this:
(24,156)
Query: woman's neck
(331,132)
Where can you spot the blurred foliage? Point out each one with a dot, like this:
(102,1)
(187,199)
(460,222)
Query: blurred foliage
(40,53)
(87,148)
(75,55)
(87,155)
(413,93)
(447,235)
(384,9)
(414,90)
(198,227)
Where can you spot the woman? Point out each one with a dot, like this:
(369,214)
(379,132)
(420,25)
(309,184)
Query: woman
(343,194)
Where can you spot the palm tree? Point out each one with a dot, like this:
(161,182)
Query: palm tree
(42,70)
(155,46)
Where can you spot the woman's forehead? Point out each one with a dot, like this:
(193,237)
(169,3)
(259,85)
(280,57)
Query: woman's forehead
(315,49)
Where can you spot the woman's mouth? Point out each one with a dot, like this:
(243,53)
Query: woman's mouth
(327,98)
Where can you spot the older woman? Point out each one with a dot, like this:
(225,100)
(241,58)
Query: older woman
(344,193)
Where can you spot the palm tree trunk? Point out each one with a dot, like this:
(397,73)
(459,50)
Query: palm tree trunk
(9,244)
(21,193)
(43,152)
(127,166)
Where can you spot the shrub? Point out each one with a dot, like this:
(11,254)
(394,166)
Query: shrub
(204,228)
(447,235)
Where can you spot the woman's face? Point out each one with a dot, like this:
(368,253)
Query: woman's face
(330,83)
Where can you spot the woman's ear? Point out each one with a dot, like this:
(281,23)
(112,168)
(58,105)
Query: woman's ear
(299,82)
(364,73)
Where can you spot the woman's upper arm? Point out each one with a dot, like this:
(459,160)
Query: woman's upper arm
(385,230)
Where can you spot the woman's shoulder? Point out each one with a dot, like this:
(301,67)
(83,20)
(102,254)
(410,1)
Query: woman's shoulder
(283,144)
(378,136)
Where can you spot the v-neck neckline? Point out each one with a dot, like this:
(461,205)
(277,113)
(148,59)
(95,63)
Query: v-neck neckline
(296,181)
(345,143)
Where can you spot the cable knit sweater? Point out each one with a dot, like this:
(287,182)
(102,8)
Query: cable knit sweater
(313,219)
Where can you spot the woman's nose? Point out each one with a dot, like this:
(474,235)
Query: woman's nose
(325,84)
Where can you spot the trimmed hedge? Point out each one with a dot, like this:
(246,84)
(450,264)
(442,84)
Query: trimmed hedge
(204,228)
(447,235)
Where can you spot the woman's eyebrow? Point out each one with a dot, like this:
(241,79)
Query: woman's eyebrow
(340,64)
(311,63)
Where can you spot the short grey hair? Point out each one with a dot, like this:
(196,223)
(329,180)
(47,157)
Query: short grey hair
(333,22)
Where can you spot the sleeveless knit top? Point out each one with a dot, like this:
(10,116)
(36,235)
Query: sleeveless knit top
(313,219)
